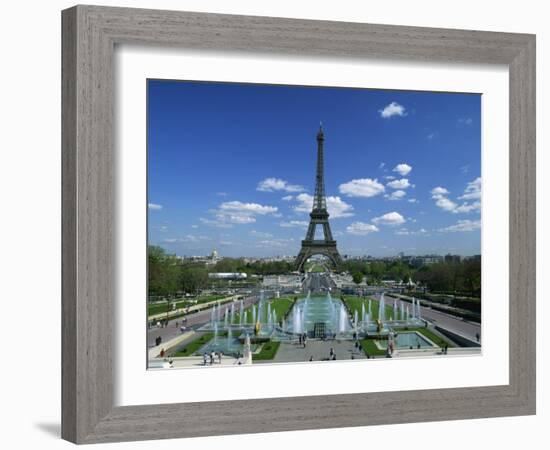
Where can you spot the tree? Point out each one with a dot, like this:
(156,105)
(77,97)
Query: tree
(357,277)
(162,272)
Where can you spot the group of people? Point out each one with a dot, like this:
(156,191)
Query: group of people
(209,358)
(303,338)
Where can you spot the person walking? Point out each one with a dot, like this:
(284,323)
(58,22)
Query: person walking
(204,358)
(220,357)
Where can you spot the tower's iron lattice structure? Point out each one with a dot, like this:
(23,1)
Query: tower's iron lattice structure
(319,217)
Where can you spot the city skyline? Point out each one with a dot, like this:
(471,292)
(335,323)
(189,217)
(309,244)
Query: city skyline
(232,167)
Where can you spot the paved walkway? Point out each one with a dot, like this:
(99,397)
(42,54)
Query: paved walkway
(318,350)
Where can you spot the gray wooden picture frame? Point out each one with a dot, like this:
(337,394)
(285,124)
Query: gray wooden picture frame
(90,34)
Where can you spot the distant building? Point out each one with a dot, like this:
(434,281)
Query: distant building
(452,258)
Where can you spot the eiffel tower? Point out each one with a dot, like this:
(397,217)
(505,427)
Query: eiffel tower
(319,216)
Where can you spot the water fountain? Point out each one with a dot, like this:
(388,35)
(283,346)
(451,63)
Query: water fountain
(342,319)
(213,315)
(382,309)
(229,339)
(296,328)
(241,309)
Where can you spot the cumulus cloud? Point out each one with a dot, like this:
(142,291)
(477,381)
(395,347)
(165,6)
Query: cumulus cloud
(391,218)
(249,208)
(276,184)
(362,187)
(446,204)
(439,191)
(335,205)
(472,191)
(403,183)
(413,200)
(239,213)
(402,169)
(396,195)
(287,198)
(154,206)
(393,109)
(462,226)
(361,228)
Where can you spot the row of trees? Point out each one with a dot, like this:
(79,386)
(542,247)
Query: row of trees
(463,276)
(376,271)
(168,274)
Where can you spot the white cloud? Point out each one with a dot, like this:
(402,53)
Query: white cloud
(403,183)
(276,184)
(445,204)
(413,200)
(335,205)
(154,206)
(361,228)
(391,218)
(468,207)
(287,198)
(393,109)
(236,212)
(462,225)
(472,191)
(382,165)
(294,223)
(396,195)
(465,121)
(439,191)
(249,208)
(363,187)
(222,194)
(402,169)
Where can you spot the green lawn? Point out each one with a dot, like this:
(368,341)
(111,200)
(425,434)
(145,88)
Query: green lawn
(268,351)
(370,348)
(193,346)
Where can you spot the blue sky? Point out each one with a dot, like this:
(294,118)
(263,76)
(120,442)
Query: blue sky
(232,167)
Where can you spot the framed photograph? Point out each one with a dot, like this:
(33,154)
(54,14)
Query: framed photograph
(277,224)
